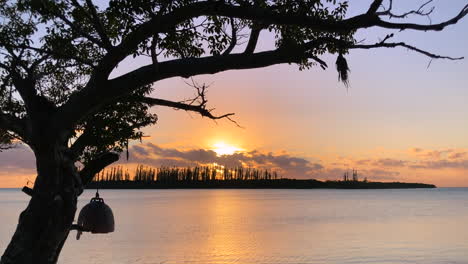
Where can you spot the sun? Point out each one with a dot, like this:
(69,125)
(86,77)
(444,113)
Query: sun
(222,148)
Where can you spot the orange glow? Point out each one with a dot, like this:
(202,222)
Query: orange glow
(222,148)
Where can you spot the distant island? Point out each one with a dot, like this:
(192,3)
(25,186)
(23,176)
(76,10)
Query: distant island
(219,177)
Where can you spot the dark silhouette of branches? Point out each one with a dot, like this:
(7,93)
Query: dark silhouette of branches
(60,92)
(197,104)
(420,11)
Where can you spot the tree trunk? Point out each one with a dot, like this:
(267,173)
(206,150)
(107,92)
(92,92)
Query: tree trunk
(45,224)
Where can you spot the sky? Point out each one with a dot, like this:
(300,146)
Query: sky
(399,120)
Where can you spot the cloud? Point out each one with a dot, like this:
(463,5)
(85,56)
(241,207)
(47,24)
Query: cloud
(457,155)
(19,158)
(389,162)
(441,164)
(363,162)
(430,154)
(415,150)
(140,150)
(288,165)
(284,163)
(441,159)
(17,166)
(381,174)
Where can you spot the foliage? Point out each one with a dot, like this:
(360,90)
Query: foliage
(58,44)
(6,140)
(58,58)
(116,124)
(61,92)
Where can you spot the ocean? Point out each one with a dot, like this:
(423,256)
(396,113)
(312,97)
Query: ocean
(426,226)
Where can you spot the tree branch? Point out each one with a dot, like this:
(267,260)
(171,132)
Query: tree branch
(96,165)
(162,23)
(14,124)
(26,90)
(189,67)
(182,106)
(253,39)
(419,11)
(24,86)
(88,99)
(80,144)
(233,43)
(420,27)
(402,44)
(374,6)
(99,91)
(53,53)
(197,104)
(98,25)
(80,31)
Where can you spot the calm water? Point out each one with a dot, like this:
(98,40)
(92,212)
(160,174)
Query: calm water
(270,226)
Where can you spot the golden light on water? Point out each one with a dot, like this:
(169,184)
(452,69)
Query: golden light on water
(221,148)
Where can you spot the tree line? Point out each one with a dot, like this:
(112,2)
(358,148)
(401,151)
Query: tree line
(165,174)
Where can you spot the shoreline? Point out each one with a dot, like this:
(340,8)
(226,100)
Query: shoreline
(257,184)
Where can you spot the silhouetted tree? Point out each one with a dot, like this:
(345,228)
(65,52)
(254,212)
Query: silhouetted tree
(145,174)
(58,94)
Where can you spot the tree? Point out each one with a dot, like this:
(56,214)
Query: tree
(59,97)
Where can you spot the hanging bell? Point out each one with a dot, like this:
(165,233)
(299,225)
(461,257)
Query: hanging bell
(95,217)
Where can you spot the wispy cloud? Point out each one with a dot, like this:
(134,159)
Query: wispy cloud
(388,162)
(18,164)
(18,158)
(441,164)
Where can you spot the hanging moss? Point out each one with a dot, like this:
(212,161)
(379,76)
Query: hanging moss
(343,69)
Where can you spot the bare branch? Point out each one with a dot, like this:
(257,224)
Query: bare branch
(420,11)
(201,109)
(384,44)
(197,104)
(432,27)
(402,44)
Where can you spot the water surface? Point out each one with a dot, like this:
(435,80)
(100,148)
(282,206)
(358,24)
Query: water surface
(269,226)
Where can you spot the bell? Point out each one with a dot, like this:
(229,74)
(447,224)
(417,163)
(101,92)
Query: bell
(95,217)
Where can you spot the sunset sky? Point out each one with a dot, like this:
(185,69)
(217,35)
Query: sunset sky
(400,120)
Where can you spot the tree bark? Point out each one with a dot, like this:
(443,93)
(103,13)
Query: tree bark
(45,224)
